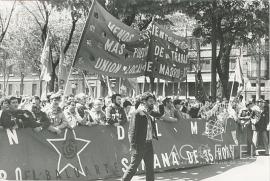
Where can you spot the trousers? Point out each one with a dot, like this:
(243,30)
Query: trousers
(147,154)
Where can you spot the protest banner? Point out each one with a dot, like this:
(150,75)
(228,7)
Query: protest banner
(87,153)
(109,47)
(167,54)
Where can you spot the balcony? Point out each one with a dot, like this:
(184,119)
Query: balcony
(253,74)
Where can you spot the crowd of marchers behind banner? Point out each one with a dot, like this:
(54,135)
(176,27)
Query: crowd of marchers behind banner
(57,112)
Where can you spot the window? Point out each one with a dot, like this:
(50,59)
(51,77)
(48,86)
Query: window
(253,97)
(232,64)
(9,89)
(254,84)
(34,89)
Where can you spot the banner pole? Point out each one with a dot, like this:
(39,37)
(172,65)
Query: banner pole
(119,88)
(173,87)
(80,43)
(89,87)
(232,89)
(65,90)
(164,88)
(109,86)
(143,86)
(157,88)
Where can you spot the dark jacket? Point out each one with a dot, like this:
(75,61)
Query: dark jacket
(111,114)
(42,118)
(138,129)
(21,118)
(263,121)
(81,108)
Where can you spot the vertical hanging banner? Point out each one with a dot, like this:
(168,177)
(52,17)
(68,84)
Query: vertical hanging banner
(111,48)
(168,52)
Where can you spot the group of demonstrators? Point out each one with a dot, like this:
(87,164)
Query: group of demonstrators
(249,120)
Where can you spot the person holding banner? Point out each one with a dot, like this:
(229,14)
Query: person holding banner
(170,114)
(96,114)
(115,114)
(141,132)
(72,115)
(4,105)
(14,118)
(56,115)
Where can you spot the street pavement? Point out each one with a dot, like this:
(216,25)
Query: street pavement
(248,169)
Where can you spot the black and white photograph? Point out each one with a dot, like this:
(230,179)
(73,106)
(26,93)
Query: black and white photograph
(134,90)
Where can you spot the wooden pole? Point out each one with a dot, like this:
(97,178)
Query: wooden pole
(120,82)
(143,86)
(157,87)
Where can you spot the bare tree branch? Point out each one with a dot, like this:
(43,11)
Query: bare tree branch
(2,24)
(47,12)
(74,21)
(39,8)
(7,24)
(32,14)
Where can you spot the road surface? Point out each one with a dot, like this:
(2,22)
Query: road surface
(250,169)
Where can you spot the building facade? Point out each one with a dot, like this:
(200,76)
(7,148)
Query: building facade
(31,83)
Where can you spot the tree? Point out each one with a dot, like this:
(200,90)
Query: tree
(4,22)
(229,23)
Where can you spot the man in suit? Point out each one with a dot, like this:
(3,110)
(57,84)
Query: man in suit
(141,132)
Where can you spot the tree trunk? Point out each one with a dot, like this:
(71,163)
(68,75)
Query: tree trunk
(214,53)
(21,85)
(52,81)
(258,73)
(224,70)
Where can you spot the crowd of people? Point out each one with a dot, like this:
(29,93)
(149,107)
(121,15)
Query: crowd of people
(245,119)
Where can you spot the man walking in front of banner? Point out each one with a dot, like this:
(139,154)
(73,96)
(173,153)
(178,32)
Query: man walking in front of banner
(141,132)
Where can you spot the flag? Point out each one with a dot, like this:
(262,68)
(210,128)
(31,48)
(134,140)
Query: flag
(106,83)
(63,70)
(110,91)
(46,61)
(200,92)
(168,54)
(132,84)
(238,75)
(109,47)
